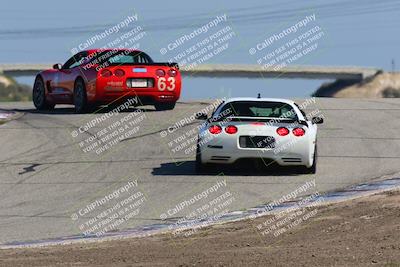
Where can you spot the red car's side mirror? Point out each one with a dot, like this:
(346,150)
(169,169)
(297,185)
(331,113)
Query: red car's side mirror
(57,66)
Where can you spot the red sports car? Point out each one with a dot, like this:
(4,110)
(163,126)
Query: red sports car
(104,76)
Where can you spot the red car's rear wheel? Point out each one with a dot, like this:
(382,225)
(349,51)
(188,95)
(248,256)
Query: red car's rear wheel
(164,106)
(80,98)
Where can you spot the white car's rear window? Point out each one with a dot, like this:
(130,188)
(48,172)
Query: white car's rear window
(259,109)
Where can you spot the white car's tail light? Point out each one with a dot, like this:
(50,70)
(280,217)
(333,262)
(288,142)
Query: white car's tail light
(106,73)
(231,129)
(298,131)
(119,73)
(215,129)
(160,73)
(282,131)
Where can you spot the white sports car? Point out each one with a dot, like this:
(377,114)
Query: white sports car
(273,130)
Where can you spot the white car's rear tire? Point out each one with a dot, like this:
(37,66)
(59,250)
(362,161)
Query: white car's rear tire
(313,168)
(201,167)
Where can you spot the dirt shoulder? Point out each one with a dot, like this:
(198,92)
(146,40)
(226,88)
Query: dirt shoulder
(362,232)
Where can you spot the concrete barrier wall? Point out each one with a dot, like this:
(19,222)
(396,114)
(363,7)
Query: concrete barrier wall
(232,70)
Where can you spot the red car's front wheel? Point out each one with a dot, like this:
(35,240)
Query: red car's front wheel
(39,95)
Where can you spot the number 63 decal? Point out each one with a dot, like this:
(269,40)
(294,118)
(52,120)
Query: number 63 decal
(162,84)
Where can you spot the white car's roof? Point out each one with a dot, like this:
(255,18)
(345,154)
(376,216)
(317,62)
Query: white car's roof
(281,100)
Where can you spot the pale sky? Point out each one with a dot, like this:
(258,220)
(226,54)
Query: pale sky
(360,33)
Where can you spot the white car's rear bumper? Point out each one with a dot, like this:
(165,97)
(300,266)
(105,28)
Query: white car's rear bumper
(287,151)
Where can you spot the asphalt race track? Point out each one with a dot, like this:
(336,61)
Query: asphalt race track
(46,177)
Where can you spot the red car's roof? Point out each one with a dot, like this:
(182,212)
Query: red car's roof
(98,50)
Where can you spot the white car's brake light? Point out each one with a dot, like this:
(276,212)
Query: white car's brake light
(282,131)
(215,129)
(298,131)
(231,129)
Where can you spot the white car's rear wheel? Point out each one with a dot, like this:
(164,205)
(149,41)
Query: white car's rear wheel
(313,168)
(199,165)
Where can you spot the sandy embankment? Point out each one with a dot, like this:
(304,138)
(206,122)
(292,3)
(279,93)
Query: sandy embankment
(381,85)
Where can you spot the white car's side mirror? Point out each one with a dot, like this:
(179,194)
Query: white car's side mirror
(317,120)
(201,116)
